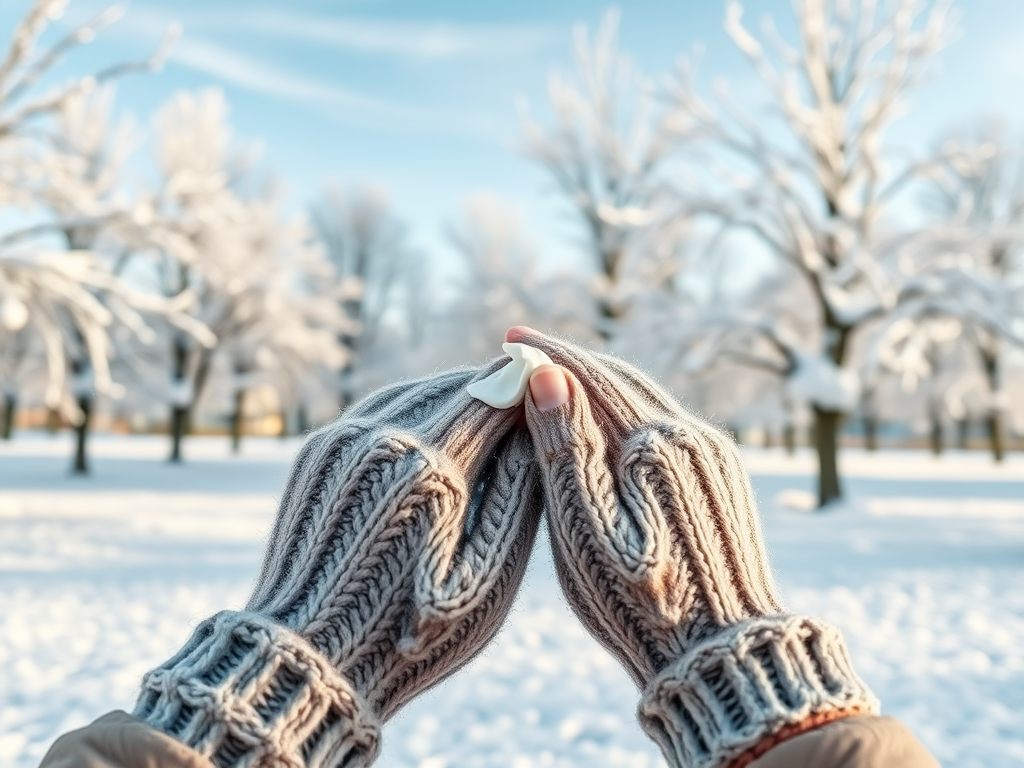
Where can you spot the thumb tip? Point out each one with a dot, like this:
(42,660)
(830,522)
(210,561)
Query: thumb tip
(517,333)
(549,388)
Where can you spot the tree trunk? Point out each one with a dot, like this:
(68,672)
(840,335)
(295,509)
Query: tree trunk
(827,422)
(199,383)
(347,374)
(345,395)
(181,415)
(179,427)
(870,432)
(963,429)
(936,434)
(303,419)
(995,432)
(7,426)
(826,428)
(990,362)
(179,412)
(81,465)
(610,258)
(53,420)
(236,421)
(80,368)
(789,438)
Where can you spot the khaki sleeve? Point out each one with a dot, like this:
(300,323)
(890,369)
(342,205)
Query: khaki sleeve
(865,741)
(118,740)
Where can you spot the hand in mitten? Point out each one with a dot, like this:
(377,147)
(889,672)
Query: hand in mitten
(659,552)
(399,543)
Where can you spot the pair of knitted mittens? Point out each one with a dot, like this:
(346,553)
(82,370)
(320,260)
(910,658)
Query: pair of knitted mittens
(658,549)
(404,533)
(399,544)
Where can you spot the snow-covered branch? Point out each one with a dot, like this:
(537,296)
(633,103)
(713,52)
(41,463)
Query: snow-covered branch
(605,151)
(24,67)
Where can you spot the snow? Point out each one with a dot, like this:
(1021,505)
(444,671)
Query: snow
(820,382)
(13,314)
(104,577)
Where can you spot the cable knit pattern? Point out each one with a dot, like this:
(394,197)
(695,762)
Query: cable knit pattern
(246,691)
(398,547)
(748,681)
(658,548)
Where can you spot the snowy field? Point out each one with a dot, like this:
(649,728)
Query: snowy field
(102,578)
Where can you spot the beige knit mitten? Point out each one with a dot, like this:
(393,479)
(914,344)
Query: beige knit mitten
(659,551)
(400,541)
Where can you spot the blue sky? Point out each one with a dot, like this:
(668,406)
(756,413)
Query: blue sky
(420,97)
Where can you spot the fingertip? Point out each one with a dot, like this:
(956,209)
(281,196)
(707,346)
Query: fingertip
(549,387)
(516,333)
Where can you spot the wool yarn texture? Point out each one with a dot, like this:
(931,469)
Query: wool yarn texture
(399,544)
(658,549)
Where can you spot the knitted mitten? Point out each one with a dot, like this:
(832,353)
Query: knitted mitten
(400,541)
(659,551)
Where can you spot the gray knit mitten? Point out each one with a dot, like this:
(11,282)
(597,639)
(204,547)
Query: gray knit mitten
(400,541)
(659,551)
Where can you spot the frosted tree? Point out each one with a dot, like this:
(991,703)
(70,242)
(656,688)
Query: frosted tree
(255,280)
(368,246)
(502,284)
(717,331)
(604,151)
(288,324)
(813,176)
(53,297)
(17,354)
(70,303)
(27,65)
(198,240)
(301,349)
(974,275)
(876,380)
(79,166)
(920,348)
(984,308)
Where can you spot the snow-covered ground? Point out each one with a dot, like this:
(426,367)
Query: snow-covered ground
(104,577)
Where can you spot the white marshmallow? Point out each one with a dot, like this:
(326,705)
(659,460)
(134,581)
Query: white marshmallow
(506,388)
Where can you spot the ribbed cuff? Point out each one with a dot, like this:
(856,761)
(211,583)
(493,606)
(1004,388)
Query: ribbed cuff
(745,684)
(247,693)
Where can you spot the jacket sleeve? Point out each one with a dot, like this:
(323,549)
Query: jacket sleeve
(853,742)
(118,740)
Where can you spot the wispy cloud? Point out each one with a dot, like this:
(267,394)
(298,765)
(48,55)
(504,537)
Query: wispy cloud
(260,76)
(424,40)
(248,63)
(257,75)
